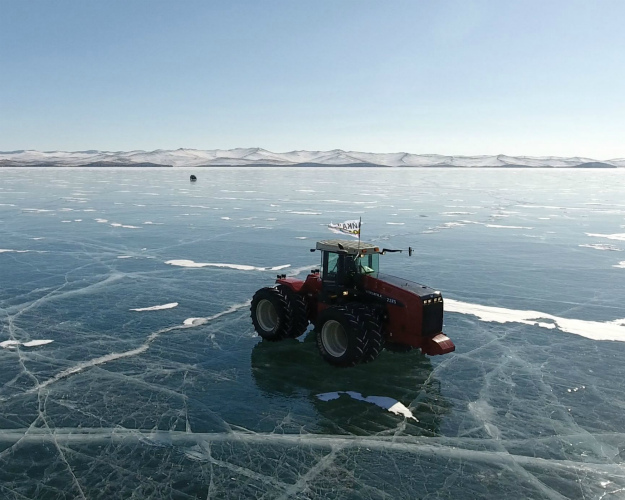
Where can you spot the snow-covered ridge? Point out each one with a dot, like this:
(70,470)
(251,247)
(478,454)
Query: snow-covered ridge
(257,156)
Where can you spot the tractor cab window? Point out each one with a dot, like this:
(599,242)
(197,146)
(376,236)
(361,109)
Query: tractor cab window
(330,265)
(368,264)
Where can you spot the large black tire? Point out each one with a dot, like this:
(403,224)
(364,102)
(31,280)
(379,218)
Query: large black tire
(374,334)
(270,314)
(340,337)
(296,311)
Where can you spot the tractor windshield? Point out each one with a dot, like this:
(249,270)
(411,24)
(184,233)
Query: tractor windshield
(368,264)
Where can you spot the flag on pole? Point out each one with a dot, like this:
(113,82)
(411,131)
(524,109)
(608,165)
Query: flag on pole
(351,227)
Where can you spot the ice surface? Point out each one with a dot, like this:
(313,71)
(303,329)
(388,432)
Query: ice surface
(188,402)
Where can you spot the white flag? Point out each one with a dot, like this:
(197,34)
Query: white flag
(351,227)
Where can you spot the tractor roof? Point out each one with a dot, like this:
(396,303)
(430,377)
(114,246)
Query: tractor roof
(350,246)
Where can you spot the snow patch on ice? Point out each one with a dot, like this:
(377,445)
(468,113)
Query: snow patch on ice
(12,344)
(602,246)
(616,236)
(595,330)
(171,305)
(202,321)
(35,343)
(387,403)
(507,227)
(241,267)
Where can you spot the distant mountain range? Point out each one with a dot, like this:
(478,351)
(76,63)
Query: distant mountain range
(261,157)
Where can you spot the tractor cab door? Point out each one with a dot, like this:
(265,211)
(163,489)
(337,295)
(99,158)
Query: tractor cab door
(338,273)
(331,272)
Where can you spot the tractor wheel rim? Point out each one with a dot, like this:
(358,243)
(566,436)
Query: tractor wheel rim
(334,338)
(266,315)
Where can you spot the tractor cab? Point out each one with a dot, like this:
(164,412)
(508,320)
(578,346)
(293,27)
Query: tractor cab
(344,263)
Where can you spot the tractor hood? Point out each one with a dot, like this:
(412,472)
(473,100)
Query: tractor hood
(415,312)
(423,291)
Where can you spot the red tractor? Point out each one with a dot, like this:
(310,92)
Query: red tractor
(357,311)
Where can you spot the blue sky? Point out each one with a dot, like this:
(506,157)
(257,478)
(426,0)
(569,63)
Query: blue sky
(531,77)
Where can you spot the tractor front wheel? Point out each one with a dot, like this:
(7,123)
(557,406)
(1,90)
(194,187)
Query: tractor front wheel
(340,338)
(269,314)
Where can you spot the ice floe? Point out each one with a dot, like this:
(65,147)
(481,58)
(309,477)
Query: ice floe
(171,305)
(595,330)
(385,402)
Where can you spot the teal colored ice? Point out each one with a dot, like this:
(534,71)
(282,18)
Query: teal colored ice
(129,366)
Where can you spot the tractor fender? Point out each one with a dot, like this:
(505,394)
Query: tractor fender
(293,283)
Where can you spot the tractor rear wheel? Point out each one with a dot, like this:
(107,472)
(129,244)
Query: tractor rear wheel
(296,307)
(340,338)
(270,314)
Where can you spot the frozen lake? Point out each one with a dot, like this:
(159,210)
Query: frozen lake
(129,366)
